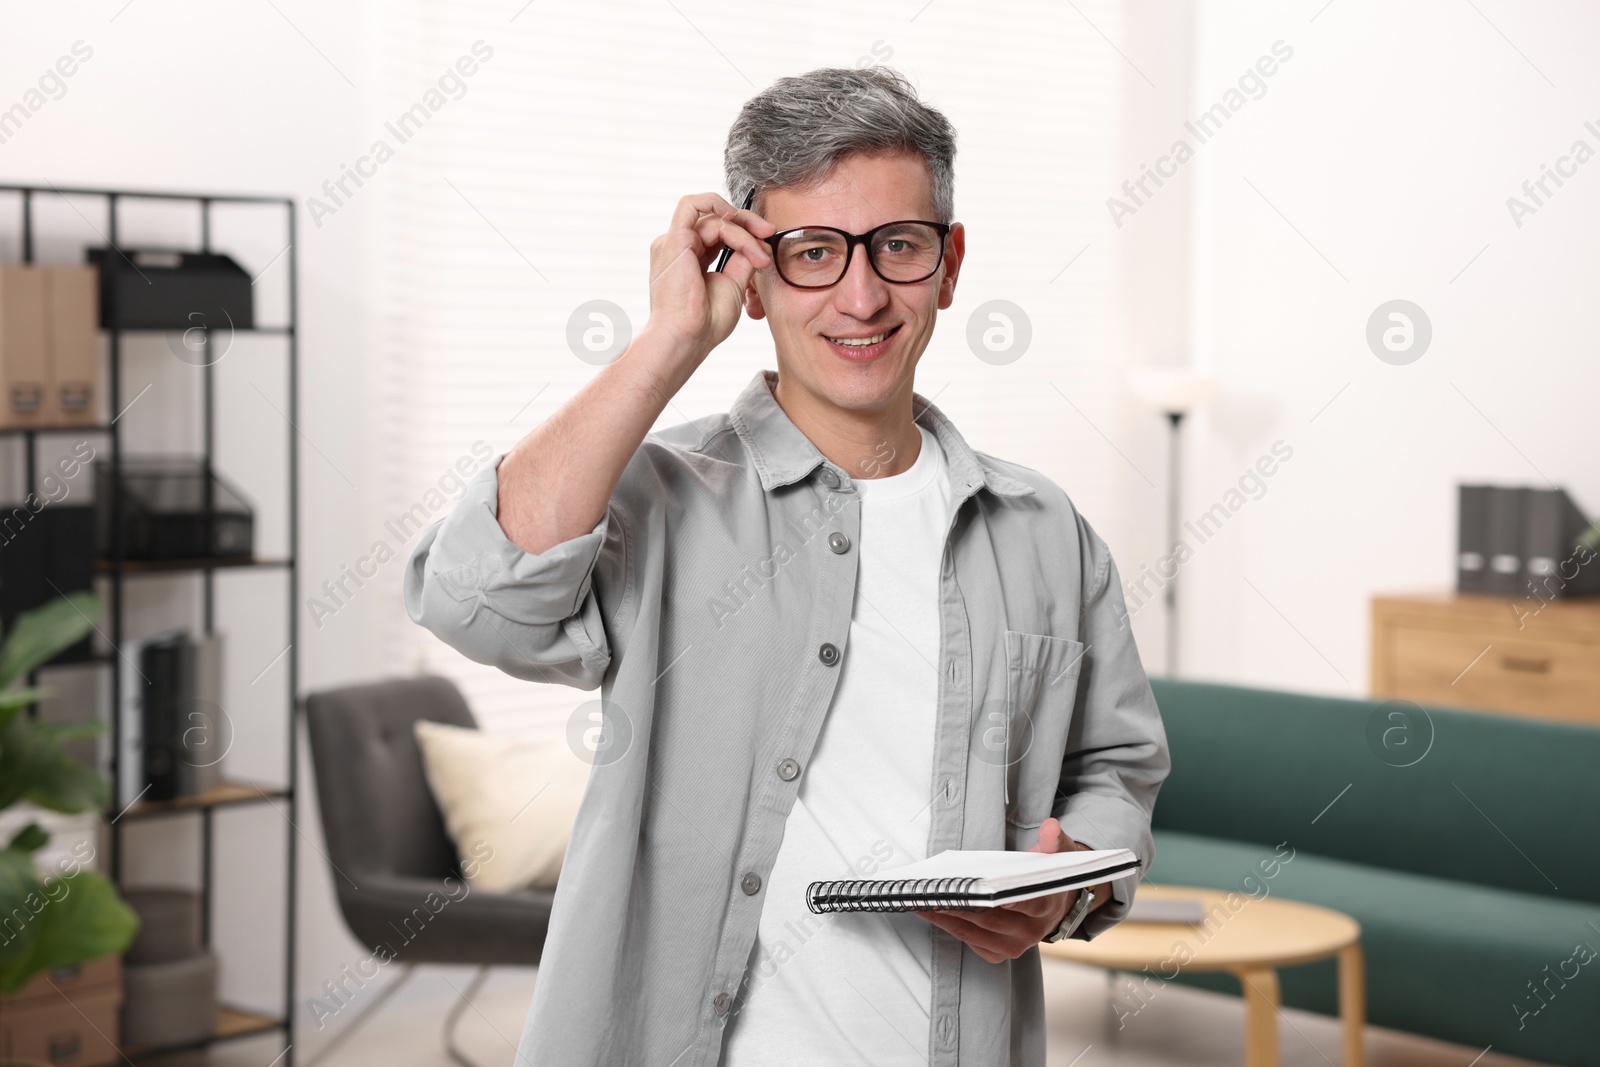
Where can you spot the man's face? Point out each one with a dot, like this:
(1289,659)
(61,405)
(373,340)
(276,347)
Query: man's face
(859,193)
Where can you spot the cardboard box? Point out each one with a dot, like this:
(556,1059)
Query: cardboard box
(24,366)
(72,329)
(101,971)
(49,346)
(77,1034)
(68,1017)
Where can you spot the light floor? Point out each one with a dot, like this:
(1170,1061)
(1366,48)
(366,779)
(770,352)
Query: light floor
(1180,1026)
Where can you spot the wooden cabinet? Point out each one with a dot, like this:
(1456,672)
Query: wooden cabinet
(1520,656)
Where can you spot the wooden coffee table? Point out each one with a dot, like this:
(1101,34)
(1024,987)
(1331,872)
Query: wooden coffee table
(1250,943)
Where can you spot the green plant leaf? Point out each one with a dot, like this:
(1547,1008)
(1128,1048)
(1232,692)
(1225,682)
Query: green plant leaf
(82,919)
(19,886)
(31,838)
(1590,538)
(69,731)
(67,786)
(16,699)
(40,634)
(34,764)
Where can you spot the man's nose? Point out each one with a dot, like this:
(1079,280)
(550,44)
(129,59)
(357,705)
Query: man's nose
(861,293)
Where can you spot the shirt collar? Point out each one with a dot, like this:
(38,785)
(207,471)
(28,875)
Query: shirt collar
(783,454)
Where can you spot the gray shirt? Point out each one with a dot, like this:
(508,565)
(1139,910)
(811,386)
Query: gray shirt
(711,605)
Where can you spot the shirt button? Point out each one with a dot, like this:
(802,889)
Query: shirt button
(828,654)
(838,542)
(750,883)
(788,769)
(829,478)
(721,1003)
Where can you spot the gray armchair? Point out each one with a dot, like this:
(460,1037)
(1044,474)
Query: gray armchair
(389,849)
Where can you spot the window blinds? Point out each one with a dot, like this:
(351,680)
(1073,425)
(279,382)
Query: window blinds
(517,192)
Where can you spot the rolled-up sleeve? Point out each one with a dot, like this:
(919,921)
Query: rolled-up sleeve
(1117,753)
(534,616)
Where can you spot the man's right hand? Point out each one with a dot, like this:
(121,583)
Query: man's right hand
(689,304)
(555,483)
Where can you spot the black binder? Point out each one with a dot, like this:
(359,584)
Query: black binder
(1472,538)
(1503,575)
(1552,564)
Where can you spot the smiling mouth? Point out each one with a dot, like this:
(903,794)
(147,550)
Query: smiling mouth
(863,342)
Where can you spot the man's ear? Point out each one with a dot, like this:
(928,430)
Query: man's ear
(752,301)
(953,255)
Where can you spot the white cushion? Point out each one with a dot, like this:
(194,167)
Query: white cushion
(516,795)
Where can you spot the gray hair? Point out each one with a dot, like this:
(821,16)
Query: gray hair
(795,131)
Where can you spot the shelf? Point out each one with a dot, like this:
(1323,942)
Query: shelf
(82,427)
(112,574)
(150,194)
(1507,611)
(231,1023)
(199,563)
(283,331)
(224,794)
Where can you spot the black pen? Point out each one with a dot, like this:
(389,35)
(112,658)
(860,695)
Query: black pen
(722,259)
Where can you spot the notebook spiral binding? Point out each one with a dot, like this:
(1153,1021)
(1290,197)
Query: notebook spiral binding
(905,894)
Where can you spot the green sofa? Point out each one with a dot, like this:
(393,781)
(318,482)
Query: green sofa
(1466,844)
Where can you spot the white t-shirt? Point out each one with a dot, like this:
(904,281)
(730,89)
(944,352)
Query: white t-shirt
(848,989)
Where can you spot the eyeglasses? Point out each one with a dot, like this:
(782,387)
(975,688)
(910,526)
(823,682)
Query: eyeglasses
(815,257)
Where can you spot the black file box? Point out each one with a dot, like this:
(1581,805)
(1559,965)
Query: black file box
(44,554)
(1472,538)
(1552,564)
(168,511)
(158,289)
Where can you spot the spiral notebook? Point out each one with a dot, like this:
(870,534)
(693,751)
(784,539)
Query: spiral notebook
(971,878)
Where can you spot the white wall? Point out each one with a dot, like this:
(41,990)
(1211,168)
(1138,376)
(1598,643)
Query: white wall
(1390,141)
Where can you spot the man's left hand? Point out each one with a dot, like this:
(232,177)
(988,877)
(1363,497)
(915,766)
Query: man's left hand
(1006,932)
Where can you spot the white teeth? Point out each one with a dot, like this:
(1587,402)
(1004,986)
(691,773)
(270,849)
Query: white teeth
(859,342)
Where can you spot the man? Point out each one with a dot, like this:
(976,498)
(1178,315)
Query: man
(831,638)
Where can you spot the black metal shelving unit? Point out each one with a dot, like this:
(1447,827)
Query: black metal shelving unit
(233,1022)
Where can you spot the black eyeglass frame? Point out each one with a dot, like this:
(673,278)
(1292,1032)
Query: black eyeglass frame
(851,240)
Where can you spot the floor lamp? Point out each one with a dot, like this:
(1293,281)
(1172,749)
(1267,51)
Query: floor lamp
(1174,392)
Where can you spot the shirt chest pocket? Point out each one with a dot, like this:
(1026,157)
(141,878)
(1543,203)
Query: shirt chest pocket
(1041,691)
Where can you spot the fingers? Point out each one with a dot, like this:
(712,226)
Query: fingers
(1013,918)
(738,271)
(974,936)
(1052,833)
(1052,838)
(715,233)
(992,945)
(1038,907)
(696,206)
(707,221)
